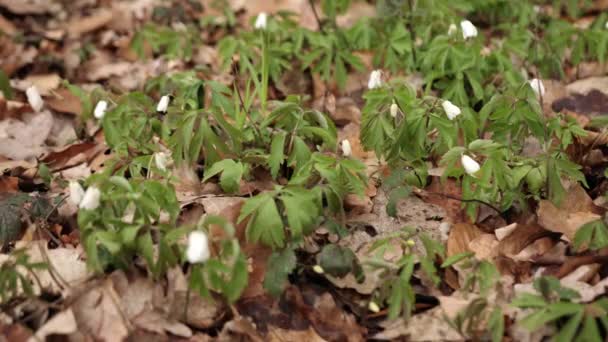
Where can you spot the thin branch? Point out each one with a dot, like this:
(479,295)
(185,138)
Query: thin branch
(457,198)
(314,12)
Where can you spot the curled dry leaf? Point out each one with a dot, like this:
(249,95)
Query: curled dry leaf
(460,236)
(63,323)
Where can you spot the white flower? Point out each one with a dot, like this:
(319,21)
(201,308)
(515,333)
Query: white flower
(318,269)
(469,164)
(76,192)
(606,25)
(90,200)
(394,110)
(468,29)
(375,79)
(373,307)
(161,159)
(163,104)
(346,150)
(260,21)
(100,109)
(452,29)
(198,247)
(451,110)
(537,86)
(33,97)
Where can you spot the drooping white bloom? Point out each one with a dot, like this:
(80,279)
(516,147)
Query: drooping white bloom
(394,110)
(260,21)
(318,269)
(161,159)
(468,29)
(375,79)
(346,150)
(90,200)
(34,98)
(76,192)
(198,247)
(537,86)
(451,110)
(452,29)
(100,109)
(469,164)
(163,104)
(373,307)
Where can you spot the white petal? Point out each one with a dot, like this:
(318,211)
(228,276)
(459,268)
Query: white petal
(468,29)
(163,104)
(91,198)
(375,79)
(346,150)
(198,247)
(452,29)
(160,159)
(260,21)
(451,110)
(76,192)
(100,109)
(469,164)
(373,307)
(34,99)
(537,86)
(394,110)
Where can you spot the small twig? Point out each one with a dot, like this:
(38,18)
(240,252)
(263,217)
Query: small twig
(314,12)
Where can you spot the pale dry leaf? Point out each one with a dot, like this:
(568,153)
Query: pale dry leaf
(30,6)
(63,323)
(276,334)
(427,326)
(484,246)
(25,139)
(45,83)
(461,235)
(503,232)
(98,19)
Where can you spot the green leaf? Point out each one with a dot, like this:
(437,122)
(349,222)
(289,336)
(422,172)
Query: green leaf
(336,260)
(232,172)
(277,156)
(266,224)
(303,208)
(456,258)
(280,265)
(5,86)
(496,325)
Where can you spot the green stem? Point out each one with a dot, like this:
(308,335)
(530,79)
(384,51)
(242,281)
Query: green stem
(265,72)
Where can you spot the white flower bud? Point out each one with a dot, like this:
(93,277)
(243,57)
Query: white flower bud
(163,104)
(260,21)
(318,269)
(394,110)
(161,159)
(91,197)
(537,86)
(198,247)
(452,29)
(346,150)
(468,29)
(606,25)
(100,109)
(470,165)
(451,110)
(375,79)
(76,192)
(34,99)
(373,307)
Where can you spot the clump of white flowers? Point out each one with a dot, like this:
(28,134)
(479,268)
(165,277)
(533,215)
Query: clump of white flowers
(161,159)
(468,29)
(394,110)
(451,110)
(163,104)
(198,247)
(34,98)
(346,149)
(91,198)
(537,86)
(469,164)
(100,109)
(261,21)
(76,192)
(375,79)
